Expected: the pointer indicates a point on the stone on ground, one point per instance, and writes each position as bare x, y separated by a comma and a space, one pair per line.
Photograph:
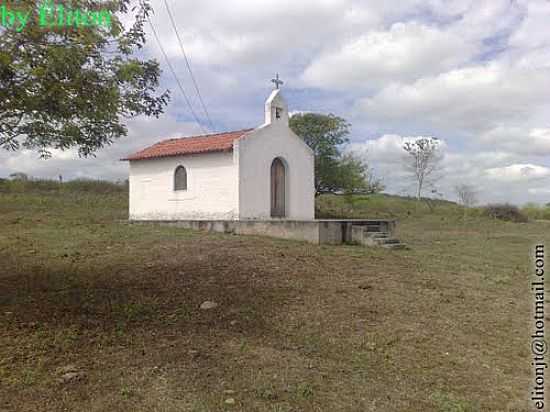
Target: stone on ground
206, 305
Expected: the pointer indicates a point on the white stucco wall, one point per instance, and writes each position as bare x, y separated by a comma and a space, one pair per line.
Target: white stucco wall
229, 186
212, 188
256, 152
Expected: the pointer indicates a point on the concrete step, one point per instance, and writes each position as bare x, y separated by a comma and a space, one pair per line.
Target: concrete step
394, 246
375, 235
377, 228
389, 241
378, 235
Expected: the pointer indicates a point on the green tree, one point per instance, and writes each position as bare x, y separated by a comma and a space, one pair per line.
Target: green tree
422, 162
72, 87
335, 172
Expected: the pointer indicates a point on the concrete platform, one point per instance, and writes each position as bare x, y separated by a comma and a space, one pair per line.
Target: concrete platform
323, 231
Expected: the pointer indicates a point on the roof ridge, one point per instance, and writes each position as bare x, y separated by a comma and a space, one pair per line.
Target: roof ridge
206, 135
214, 142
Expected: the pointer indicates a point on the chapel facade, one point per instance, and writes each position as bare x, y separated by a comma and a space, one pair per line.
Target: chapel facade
263, 173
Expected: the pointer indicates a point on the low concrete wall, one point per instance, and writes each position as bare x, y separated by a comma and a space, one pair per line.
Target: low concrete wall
307, 230
334, 232
331, 232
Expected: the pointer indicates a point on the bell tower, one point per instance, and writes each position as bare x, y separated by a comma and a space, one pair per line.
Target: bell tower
276, 109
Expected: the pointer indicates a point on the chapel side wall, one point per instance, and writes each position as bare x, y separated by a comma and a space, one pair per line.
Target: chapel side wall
212, 188
256, 153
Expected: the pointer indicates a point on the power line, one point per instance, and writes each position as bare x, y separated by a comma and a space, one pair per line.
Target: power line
175, 75
188, 64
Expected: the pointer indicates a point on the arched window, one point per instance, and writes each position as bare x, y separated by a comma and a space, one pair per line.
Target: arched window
180, 178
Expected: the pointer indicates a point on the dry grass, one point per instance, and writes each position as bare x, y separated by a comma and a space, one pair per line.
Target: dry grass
440, 327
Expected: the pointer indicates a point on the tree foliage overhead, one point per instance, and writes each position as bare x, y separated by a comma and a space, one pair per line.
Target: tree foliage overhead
69, 87
335, 172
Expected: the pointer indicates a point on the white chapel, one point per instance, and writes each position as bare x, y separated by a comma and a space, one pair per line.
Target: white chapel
253, 174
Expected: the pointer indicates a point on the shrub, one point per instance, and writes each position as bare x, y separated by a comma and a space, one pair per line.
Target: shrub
19, 176
21, 185
536, 212
507, 212
94, 186
72, 186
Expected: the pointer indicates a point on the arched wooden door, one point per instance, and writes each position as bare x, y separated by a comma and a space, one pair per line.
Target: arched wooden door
278, 188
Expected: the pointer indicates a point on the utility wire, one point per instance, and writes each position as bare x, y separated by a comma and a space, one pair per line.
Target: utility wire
175, 75
188, 65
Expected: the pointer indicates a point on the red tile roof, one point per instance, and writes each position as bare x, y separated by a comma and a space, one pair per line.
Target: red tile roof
221, 142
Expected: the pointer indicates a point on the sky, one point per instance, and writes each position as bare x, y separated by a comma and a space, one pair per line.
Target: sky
474, 74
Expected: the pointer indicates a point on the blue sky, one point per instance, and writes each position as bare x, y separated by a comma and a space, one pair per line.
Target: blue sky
475, 74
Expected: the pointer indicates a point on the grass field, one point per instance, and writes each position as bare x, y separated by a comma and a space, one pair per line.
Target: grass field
443, 326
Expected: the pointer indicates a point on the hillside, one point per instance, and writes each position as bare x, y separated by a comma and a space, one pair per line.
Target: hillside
378, 206
298, 327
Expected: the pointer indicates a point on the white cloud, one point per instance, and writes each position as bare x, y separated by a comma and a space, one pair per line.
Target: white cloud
532, 33
405, 52
532, 142
468, 99
539, 191
486, 20
247, 32
519, 172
